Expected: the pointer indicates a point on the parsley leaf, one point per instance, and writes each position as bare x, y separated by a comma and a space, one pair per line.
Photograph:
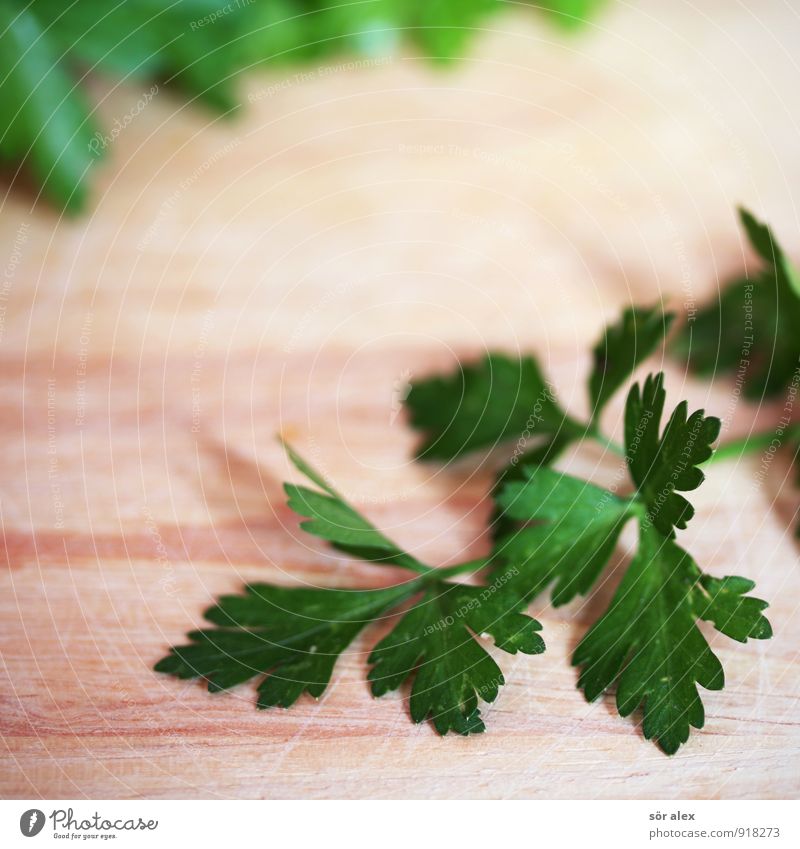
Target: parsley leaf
330, 517
752, 326
660, 465
44, 121
622, 348
484, 404
502, 399
453, 669
290, 638
647, 641
571, 14
577, 527
198, 45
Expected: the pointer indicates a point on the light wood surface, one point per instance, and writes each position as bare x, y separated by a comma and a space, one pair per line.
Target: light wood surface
289, 271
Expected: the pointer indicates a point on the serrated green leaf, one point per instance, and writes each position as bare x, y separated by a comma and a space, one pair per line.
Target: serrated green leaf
498, 400
45, 122
435, 641
723, 602
649, 644
331, 518
291, 638
663, 464
622, 348
576, 528
751, 328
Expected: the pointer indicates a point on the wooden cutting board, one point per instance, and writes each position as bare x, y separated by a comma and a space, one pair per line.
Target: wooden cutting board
290, 271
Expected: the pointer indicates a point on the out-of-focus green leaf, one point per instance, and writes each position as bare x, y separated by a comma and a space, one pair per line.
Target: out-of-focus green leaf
44, 122
751, 328
571, 14
197, 45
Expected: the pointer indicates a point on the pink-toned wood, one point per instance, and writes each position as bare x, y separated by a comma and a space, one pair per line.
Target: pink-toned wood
290, 271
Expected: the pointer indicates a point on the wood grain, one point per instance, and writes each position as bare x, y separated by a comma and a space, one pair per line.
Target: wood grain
288, 271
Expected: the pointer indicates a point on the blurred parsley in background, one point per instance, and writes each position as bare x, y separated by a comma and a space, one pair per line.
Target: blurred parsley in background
47, 47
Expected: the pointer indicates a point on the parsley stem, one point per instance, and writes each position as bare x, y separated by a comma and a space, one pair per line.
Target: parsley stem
436, 573
468, 566
414, 565
736, 448
592, 432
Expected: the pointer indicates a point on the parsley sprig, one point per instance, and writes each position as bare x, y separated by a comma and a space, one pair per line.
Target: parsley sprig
290, 638
647, 643
505, 400
554, 529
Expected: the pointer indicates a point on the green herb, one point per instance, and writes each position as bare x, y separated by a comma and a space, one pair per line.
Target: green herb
503, 400
751, 329
620, 350
485, 404
506, 401
290, 638
647, 642
556, 530
571, 14
436, 637
577, 525
44, 119
46, 47
662, 465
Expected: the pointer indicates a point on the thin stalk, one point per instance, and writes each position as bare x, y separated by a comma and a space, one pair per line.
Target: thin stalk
594, 434
736, 448
412, 564
460, 568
